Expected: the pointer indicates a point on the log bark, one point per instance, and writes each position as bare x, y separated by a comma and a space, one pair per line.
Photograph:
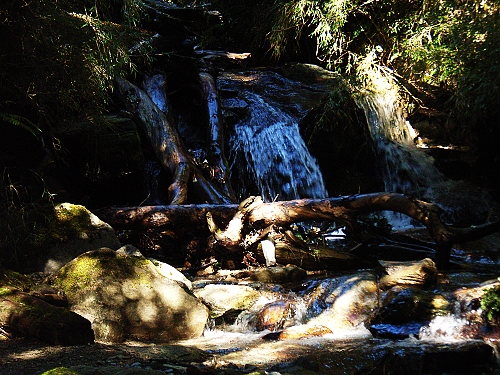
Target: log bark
253, 215
166, 142
215, 137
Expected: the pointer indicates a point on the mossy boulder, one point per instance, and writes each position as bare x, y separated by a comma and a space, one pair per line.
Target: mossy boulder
74, 230
125, 296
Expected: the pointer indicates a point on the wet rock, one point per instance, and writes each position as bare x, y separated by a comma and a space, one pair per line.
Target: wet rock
419, 273
344, 302
221, 298
274, 315
279, 275
411, 304
28, 316
469, 300
472, 357
299, 332
120, 292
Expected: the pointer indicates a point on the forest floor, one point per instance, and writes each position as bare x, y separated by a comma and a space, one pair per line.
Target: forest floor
28, 357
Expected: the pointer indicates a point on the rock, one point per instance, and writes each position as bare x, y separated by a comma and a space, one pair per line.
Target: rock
221, 298
125, 296
28, 316
279, 275
163, 268
274, 315
76, 231
411, 304
345, 302
171, 272
466, 357
419, 273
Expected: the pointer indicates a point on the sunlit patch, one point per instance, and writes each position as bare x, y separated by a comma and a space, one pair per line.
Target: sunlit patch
147, 311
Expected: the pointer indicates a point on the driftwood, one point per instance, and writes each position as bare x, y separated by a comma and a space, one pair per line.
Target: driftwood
253, 219
166, 142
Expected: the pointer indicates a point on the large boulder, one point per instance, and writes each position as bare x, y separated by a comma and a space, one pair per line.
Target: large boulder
74, 231
126, 296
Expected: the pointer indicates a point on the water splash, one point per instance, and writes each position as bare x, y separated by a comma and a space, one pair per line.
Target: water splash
448, 327
277, 158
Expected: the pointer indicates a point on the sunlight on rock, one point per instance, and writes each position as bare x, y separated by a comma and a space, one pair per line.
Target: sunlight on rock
147, 311
129, 290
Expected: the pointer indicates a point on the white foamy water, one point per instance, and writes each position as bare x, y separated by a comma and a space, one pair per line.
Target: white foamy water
444, 328
277, 158
405, 168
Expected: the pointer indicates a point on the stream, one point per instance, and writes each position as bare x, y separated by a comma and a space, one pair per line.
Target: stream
342, 323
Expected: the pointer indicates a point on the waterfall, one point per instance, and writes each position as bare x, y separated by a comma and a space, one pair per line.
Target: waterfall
277, 158
404, 167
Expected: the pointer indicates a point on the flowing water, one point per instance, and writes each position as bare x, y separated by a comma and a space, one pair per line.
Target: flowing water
269, 157
405, 168
267, 150
277, 159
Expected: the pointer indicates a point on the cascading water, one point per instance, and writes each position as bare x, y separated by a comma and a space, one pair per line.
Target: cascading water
405, 168
277, 157
268, 155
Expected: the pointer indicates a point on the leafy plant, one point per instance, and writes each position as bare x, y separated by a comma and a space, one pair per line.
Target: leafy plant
21, 122
58, 59
490, 304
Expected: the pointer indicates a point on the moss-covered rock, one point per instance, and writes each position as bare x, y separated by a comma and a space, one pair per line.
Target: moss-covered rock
125, 296
74, 231
60, 371
222, 298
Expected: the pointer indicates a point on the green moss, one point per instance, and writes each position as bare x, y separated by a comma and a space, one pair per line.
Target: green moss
71, 219
81, 272
60, 371
5, 291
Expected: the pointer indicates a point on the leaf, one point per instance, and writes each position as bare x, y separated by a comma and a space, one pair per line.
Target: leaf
21, 122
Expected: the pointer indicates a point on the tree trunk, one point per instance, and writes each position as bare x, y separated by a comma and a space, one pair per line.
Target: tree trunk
253, 219
215, 137
166, 142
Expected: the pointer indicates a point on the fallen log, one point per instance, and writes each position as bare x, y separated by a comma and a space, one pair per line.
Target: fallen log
253, 216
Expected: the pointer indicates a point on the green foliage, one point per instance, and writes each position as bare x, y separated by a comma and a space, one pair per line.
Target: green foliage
21, 122
25, 213
59, 58
490, 304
